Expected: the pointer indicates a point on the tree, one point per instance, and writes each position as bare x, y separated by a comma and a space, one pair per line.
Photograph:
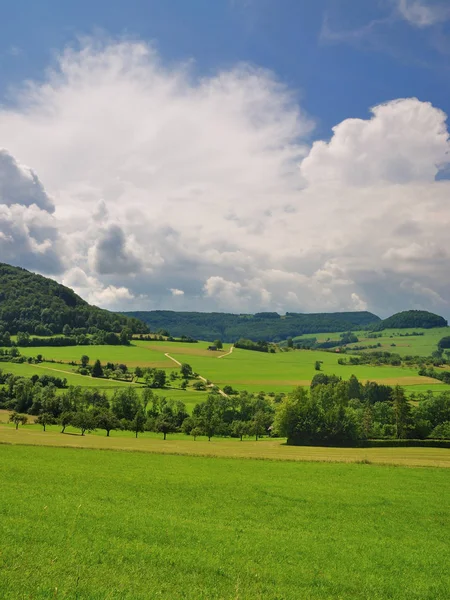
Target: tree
67, 330
159, 378
45, 419
125, 336
401, 411
184, 384
317, 365
65, 418
84, 420
97, 369
84, 361
108, 421
18, 419
138, 372
138, 423
164, 423
239, 429
259, 424
125, 403
186, 371
218, 344
290, 343
196, 431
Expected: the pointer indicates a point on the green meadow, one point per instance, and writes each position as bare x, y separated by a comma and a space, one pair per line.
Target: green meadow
95, 525
242, 369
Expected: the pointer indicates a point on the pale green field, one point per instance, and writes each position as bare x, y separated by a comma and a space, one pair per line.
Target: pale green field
134, 355
414, 345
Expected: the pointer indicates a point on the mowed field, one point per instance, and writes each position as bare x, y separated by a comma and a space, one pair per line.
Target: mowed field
92, 525
242, 369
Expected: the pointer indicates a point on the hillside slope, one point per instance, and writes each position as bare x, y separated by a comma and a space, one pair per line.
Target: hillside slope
412, 318
38, 305
261, 326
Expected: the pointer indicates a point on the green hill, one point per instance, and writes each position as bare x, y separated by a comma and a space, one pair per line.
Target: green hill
412, 318
268, 326
38, 305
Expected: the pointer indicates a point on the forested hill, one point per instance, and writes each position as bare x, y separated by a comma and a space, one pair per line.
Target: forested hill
38, 305
412, 318
261, 326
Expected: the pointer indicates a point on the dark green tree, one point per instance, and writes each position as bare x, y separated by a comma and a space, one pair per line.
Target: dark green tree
97, 369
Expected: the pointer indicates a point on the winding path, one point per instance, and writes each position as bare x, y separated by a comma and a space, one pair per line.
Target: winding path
227, 353
221, 392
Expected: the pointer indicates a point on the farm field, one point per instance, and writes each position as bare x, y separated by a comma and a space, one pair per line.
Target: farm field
242, 369
133, 526
180, 444
256, 371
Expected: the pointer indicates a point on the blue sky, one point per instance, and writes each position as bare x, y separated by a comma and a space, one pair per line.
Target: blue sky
340, 56
180, 154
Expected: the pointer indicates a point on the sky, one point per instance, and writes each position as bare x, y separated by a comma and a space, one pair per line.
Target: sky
236, 155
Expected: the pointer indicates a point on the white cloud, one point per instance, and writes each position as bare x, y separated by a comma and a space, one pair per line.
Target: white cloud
423, 13
405, 141
94, 292
159, 178
176, 292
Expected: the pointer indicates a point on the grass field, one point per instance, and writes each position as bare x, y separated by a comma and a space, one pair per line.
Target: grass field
97, 525
255, 371
242, 369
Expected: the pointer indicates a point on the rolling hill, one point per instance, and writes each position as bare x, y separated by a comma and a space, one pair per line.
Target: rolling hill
412, 318
38, 305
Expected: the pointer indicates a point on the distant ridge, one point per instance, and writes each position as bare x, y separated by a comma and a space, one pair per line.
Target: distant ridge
269, 326
412, 318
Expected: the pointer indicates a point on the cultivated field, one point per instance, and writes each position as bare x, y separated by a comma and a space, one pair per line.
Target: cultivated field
92, 525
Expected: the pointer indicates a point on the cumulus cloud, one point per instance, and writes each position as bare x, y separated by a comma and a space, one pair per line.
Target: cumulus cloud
110, 254
404, 141
28, 231
177, 192
94, 292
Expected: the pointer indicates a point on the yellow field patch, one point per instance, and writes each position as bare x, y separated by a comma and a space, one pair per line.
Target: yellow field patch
411, 380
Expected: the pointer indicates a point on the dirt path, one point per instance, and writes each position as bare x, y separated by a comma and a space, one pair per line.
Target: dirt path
221, 392
227, 353
172, 358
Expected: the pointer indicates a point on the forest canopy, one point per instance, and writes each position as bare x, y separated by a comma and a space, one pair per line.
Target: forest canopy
38, 305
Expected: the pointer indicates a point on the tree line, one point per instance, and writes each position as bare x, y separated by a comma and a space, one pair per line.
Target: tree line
332, 411
261, 326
